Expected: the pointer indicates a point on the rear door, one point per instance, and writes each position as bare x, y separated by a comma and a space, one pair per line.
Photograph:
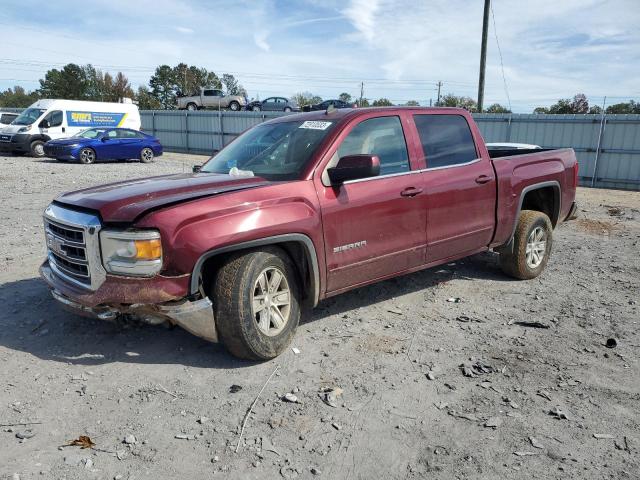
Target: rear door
373, 227
129, 143
269, 104
460, 186
211, 98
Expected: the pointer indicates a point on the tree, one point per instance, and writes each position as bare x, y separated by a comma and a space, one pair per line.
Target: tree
345, 97
580, 104
146, 101
363, 103
17, 97
163, 86
232, 86
306, 98
497, 108
631, 107
412, 103
451, 100
68, 83
121, 88
382, 102
595, 110
189, 79
541, 110
562, 106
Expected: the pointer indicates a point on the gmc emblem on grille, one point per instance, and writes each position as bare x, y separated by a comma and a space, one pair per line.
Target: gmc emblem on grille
55, 244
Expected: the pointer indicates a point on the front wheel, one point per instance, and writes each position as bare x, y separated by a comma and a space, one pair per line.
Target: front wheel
192, 107
255, 108
256, 298
87, 156
531, 246
235, 106
146, 155
287, 109
37, 149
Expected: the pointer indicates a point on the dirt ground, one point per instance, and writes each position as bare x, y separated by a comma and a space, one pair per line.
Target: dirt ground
549, 402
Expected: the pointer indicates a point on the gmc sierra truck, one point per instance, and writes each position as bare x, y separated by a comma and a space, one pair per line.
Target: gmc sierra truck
299, 209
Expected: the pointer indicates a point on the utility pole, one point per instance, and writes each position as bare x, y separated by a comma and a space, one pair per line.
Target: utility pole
361, 93
439, 86
483, 53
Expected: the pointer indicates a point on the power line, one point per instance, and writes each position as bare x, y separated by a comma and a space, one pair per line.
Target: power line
504, 78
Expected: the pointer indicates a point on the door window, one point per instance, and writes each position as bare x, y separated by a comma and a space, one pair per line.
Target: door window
382, 136
54, 118
111, 134
446, 140
127, 134
210, 93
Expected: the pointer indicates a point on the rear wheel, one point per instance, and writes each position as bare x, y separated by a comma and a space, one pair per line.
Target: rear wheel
531, 246
287, 109
146, 155
87, 156
235, 106
256, 108
37, 149
256, 298
192, 106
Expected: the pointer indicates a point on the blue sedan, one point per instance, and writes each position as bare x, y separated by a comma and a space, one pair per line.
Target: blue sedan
97, 144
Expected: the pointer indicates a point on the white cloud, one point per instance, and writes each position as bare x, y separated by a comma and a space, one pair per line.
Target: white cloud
184, 30
362, 13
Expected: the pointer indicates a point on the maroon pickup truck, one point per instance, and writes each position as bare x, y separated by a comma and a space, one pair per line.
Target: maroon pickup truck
299, 209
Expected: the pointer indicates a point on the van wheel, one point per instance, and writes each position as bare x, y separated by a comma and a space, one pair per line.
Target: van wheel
531, 246
87, 156
256, 299
37, 149
235, 106
146, 155
192, 106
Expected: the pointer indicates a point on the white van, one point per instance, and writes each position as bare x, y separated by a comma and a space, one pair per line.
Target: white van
6, 118
51, 119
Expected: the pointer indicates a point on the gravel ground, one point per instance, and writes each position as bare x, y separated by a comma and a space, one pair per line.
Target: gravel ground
549, 402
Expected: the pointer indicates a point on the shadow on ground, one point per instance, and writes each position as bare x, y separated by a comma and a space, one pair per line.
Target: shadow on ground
32, 322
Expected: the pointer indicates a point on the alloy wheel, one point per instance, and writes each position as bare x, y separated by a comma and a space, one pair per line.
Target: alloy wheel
536, 247
271, 301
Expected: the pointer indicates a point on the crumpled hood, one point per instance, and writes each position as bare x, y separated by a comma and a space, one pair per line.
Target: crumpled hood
128, 200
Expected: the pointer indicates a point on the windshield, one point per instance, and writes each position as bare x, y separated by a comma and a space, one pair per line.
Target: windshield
91, 133
29, 116
278, 151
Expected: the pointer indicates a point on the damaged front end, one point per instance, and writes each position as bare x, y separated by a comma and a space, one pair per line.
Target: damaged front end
195, 316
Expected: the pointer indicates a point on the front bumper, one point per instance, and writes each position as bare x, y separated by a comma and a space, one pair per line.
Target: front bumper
17, 143
61, 153
195, 316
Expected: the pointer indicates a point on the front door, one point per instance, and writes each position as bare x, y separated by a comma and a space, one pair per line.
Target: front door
460, 186
373, 227
53, 125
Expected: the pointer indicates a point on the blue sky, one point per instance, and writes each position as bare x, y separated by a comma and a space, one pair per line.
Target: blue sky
550, 49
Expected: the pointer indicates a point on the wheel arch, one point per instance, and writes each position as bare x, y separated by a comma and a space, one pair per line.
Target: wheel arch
545, 197
297, 245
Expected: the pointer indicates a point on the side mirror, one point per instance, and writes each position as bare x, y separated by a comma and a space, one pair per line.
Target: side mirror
354, 167
44, 124
104, 138
197, 168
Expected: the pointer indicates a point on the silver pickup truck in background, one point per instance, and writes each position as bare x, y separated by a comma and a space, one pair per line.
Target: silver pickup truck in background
211, 98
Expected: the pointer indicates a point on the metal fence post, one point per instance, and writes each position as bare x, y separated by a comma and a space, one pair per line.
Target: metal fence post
221, 129
603, 124
509, 128
186, 130
153, 123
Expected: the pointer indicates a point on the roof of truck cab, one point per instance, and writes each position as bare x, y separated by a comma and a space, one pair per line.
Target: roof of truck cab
348, 113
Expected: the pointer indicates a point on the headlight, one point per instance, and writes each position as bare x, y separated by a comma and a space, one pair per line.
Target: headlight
24, 129
130, 252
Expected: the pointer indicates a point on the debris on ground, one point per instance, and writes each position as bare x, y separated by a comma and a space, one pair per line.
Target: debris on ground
130, 439
454, 300
524, 454
531, 324
330, 396
535, 443
611, 343
602, 436
295, 350
475, 369
558, 413
397, 311
83, 441
184, 436
27, 434
493, 422
290, 397
235, 388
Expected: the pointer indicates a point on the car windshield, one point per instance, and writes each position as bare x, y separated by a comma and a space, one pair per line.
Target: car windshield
278, 151
29, 116
91, 133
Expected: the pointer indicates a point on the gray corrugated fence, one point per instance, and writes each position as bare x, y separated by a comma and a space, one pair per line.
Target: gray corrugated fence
607, 147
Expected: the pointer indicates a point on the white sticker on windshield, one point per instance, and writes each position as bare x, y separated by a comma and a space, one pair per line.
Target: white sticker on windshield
315, 125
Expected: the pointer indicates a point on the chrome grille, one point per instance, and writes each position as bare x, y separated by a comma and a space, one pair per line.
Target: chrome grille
73, 247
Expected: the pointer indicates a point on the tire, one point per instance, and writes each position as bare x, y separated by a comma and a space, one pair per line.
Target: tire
146, 155
238, 290
37, 149
192, 107
287, 109
532, 244
255, 108
87, 156
235, 106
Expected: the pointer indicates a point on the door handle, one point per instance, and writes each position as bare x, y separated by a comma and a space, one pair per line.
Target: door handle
410, 192
483, 179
